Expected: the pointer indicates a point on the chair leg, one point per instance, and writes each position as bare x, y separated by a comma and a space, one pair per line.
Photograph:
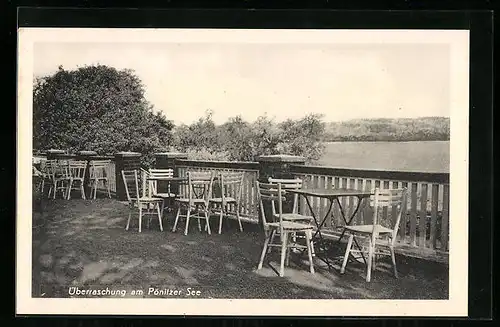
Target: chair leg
370, 260
187, 220
95, 190
220, 218
264, 249
309, 250
207, 220
129, 216
176, 219
55, 190
273, 235
109, 188
140, 217
159, 216
162, 207
347, 253
82, 190
198, 217
70, 185
238, 216
284, 246
393, 258
287, 256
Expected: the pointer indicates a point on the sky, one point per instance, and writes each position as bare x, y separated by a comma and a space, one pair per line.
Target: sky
287, 80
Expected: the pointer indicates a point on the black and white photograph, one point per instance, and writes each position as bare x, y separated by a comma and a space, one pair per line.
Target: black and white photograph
243, 172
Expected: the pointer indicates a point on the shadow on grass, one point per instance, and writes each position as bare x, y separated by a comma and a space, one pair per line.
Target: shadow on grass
84, 244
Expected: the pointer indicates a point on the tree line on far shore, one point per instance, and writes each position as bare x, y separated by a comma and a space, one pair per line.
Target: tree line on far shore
387, 129
103, 109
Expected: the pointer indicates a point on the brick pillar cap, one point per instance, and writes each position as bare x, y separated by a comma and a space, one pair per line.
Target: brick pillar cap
128, 154
280, 158
87, 153
172, 154
56, 151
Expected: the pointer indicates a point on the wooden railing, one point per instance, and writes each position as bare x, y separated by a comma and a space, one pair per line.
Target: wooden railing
425, 222
248, 202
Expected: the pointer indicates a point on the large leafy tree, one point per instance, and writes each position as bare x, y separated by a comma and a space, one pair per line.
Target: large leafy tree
96, 108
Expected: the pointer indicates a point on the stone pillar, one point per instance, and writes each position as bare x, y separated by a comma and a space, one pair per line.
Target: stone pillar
167, 160
55, 154
277, 166
125, 161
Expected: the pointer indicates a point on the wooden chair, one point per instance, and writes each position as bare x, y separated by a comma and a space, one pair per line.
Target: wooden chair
38, 183
138, 200
99, 173
77, 170
274, 192
60, 176
381, 239
45, 174
291, 184
230, 190
168, 195
199, 191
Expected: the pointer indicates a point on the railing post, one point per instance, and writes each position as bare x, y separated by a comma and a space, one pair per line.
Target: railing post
167, 160
277, 166
125, 161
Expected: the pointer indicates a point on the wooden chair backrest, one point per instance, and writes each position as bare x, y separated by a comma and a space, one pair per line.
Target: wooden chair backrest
230, 184
271, 192
163, 173
48, 167
60, 168
385, 198
77, 168
200, 185
131, 183
168, 173
288, 184
99, 168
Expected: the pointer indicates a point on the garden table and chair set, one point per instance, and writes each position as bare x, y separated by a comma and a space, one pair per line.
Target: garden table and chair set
196, 196
200, 195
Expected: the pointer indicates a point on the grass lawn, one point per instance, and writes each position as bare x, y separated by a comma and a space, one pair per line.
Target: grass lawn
83, 243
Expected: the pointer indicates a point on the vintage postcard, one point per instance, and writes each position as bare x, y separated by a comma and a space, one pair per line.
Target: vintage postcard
242, 172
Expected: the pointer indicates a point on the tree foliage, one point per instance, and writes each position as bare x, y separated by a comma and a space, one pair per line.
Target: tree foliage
96, 108
238, 140
385, 129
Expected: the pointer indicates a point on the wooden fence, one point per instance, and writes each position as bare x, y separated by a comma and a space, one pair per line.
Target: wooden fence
425, 222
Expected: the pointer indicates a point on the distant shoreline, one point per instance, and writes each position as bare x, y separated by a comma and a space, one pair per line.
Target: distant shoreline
383, 141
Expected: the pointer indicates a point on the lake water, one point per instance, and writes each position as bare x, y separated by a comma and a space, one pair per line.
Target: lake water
421, 156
